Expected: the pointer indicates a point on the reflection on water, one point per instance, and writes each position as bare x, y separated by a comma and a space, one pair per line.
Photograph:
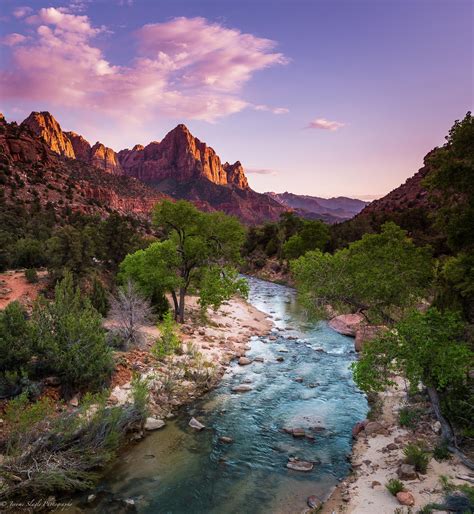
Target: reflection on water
180, 471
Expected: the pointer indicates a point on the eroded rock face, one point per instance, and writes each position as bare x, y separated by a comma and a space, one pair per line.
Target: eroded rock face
43, 124
180, 156
105, 158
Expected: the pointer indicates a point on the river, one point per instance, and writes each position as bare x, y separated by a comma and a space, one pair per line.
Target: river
177, 470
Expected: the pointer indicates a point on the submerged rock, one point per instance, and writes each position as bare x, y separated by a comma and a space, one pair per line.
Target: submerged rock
225, 439
314, 502
194, 423
299, 465
242, 388
154, 424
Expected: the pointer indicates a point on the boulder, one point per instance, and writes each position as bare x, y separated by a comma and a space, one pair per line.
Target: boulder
346, 324
406, 472
242, 388
358, 427
154, 424
314, 502
299, 465
280, 359
374, 427
298, 432
366, 333
405, 498
244, 361
194, 423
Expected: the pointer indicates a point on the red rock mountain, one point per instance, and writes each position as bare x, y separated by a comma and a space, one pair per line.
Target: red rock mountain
30, 172
72, 145
180, 165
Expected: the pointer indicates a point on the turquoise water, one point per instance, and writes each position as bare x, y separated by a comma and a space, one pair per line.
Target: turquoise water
177, 470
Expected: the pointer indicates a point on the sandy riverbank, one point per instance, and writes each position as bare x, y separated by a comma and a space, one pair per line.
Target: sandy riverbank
376, 458
207, 349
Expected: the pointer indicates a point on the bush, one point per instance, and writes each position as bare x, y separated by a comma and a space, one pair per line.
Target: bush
71, 340
416, 455
29, 253
169, 341
99, 297
31, 276
16, 341
441, 452
140, 394
407, 417
394, 486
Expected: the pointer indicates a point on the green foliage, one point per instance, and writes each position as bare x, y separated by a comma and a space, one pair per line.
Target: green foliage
140, 394
417, 456
394, 486
441, 452
195, 243
99, 297
16, 339
426, 348
71, 339
219, 284
407, 417
311, 236
29, 253
169, 341
31, 275
381, 275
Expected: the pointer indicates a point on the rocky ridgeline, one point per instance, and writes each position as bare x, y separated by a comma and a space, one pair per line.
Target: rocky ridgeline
180, 165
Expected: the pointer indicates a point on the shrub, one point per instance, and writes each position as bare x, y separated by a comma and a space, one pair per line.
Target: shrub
394, 486
29, 253
140, 394
16, 342
416, 455
71, 340
31, 275
407, 417
99, 298
169, 341
441, 452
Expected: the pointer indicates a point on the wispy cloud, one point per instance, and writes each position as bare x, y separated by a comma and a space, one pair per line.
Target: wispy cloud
324, 124
21, 12
13, 39
184, 68
274, 110
260, 171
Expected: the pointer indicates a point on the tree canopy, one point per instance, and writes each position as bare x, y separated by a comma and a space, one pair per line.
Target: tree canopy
199, 251
380, 275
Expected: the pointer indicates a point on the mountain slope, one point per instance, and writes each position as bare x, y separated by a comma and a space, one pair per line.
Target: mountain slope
180, 165
332, 210
31, 172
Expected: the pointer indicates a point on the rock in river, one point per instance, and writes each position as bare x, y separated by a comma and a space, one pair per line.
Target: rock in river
299, 465
154, 424
314, 502
244, 361
194, 423
346, 324
242, 388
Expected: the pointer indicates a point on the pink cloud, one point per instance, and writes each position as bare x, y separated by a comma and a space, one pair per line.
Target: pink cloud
13, 39
20, 12
324, 124
260, 171
274, 110
186, 68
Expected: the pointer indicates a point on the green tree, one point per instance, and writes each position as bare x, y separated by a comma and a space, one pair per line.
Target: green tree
99, 297
426, 349
169, 341
380, 275
195, 242
70, 338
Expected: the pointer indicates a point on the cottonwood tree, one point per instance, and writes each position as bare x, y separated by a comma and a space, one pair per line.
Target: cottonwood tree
381, 275
425, 348
196, 244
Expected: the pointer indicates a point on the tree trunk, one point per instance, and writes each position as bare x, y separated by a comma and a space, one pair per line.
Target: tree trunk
182, 294
446, 429
176, 306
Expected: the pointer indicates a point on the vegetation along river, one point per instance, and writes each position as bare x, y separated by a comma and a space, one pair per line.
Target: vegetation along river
179, 470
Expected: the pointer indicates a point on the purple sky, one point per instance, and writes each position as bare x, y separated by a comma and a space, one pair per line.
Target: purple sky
315, 97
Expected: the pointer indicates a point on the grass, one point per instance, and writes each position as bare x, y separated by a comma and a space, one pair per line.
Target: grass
408, 417
394, 486
417, 456
441, 452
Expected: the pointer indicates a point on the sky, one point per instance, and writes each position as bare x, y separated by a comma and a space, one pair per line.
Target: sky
317, 97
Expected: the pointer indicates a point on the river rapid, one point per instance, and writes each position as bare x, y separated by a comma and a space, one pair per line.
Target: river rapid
177, 470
